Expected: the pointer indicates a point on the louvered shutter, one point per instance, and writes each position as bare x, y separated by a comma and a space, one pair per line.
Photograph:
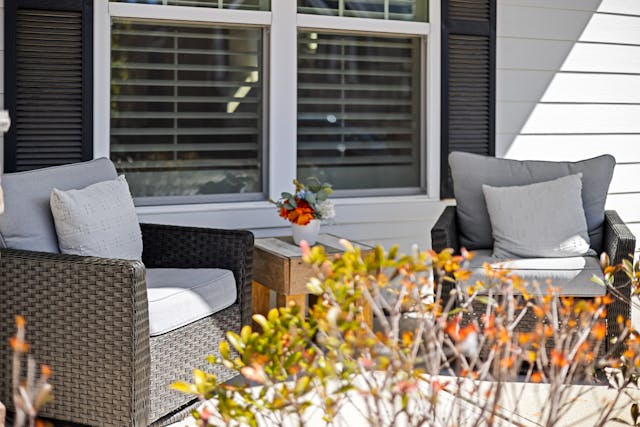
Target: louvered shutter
468, 81
48, 83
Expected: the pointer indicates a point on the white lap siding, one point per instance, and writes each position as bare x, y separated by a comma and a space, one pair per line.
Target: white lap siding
568, 87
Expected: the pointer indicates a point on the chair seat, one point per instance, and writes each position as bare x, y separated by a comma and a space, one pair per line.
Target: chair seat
572, 275
178, 297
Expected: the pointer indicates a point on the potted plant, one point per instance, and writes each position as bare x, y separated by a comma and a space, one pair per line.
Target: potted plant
305, 208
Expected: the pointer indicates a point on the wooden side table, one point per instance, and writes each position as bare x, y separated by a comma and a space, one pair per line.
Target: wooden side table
278, 266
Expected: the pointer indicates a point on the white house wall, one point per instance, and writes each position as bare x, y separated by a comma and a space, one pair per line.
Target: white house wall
568, 87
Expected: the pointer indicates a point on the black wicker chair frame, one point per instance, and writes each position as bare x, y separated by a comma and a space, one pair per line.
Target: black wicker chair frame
88, 319
619, 243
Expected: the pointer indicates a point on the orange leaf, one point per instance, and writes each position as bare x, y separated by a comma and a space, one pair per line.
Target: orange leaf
19, 346
20, 321
536, 377
599, 331
45, 370
558, 358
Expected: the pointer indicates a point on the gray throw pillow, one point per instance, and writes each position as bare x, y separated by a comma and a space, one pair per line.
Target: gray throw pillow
470, 171
99, 220
27, 223
538, 220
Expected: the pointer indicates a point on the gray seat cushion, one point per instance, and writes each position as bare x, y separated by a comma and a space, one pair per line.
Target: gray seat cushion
572, 274
470, 171
27, 222
178, 297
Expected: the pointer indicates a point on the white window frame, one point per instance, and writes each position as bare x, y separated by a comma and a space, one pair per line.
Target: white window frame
283, 23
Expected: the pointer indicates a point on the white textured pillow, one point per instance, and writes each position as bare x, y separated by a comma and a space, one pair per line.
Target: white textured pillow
538, 220
99, 220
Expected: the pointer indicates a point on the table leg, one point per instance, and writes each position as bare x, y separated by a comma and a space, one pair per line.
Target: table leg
259, 300
299, 300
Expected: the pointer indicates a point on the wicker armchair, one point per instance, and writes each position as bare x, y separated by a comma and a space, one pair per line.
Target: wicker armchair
87, 317
618, 243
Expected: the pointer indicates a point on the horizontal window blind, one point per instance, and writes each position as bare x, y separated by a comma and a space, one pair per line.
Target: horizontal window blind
402, 10
186, 108
218, 4
359, 110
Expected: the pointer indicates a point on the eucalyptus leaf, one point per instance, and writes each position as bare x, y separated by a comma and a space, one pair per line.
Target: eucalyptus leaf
311, 198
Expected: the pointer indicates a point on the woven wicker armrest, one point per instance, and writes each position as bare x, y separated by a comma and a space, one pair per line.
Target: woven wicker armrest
86, 318
619, 243
168, 246
444, 233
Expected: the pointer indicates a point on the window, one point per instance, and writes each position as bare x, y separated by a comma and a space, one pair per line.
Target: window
218, 4
359, 105
402, 10
186, 108
190, 119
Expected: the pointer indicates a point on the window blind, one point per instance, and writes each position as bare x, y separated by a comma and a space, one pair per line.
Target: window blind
359, 110
186, 108
402, 10
48, 87
218, 4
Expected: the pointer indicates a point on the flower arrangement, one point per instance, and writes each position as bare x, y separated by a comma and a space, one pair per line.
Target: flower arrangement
310, 201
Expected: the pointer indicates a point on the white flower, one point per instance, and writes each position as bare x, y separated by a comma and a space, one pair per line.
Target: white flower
325, 210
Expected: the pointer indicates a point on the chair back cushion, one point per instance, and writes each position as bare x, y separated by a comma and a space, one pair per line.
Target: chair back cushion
27, 222
471, 171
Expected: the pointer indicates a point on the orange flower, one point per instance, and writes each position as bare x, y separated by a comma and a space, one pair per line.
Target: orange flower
302, 214
284, 213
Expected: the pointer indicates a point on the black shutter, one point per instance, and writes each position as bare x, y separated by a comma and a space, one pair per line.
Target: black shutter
48, 83
468, 81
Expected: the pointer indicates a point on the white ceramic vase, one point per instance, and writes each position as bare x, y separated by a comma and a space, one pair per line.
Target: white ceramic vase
307, 232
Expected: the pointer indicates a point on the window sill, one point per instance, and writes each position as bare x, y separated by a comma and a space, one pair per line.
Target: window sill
263, 204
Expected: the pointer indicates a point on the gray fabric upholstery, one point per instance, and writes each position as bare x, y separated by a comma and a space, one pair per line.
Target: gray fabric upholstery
178, 297
27, 222
545, 219
470, 171
572, 274
98, 220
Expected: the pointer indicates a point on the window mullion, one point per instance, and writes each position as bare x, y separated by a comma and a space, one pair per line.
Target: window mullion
282, 96
101, 81
433, 103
